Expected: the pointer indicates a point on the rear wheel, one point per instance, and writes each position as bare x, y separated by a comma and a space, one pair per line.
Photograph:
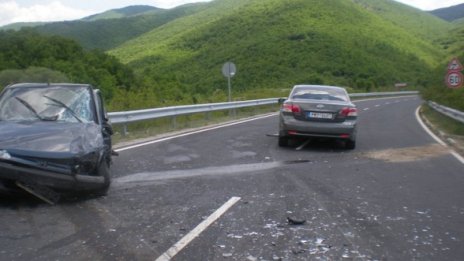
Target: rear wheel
350, 144
283, 141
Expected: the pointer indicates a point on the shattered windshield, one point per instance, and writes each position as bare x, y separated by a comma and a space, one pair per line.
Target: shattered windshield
50, 103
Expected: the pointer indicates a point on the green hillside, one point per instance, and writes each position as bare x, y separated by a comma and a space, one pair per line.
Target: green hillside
278, 43
453, 45
105, 34
121, 12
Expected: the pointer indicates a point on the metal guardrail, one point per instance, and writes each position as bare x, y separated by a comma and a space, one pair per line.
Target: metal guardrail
126, 117
150, 114
374, 94
452, 113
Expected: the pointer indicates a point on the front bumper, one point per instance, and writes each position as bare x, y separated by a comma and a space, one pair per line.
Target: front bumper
60, 181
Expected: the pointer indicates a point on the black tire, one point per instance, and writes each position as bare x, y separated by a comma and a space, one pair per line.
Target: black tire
283, 141
350, 144
104, 171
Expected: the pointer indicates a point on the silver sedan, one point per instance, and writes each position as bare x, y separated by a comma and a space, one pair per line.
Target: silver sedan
318, 111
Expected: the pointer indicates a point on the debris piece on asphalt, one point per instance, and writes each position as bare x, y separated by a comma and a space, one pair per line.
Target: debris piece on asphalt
295, 222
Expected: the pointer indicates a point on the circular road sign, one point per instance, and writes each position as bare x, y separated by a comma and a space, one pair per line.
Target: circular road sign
454, 79
229, 69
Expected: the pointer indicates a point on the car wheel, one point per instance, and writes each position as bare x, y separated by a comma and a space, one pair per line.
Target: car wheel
350, 144
283, 141
104, 171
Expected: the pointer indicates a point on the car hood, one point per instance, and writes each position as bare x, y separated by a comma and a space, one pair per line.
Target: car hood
50, 137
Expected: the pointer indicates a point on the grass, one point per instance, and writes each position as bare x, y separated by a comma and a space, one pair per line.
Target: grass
442, 122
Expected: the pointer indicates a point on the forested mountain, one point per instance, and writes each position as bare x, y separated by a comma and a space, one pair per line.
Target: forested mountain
128, 11
109, 33
26, 55
451, 14
177, 54
276, 44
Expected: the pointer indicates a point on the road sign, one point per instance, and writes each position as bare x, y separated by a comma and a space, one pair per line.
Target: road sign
454, 79
455, 65
229, 69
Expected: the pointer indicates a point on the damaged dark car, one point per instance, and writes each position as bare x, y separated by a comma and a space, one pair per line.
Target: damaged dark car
54, 138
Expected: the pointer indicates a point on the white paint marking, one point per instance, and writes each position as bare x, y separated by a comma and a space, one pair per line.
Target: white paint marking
191, 133
303, 145
365, 109
435, 137
377, 105
177, 247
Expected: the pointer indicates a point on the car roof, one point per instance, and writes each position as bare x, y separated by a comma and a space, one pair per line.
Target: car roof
41, 85
318, 86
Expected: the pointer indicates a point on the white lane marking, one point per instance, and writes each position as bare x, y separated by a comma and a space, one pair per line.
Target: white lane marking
377, 105
177, 247
436, 138
365, 109
303, 145
387, 103
191, 133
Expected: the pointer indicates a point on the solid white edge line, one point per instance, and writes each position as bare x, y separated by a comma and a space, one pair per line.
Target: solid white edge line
177, 247
191, 133
436, 138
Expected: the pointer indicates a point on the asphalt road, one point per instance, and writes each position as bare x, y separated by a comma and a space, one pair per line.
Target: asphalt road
397, 196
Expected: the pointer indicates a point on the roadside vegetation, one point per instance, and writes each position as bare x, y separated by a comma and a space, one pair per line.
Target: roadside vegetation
158, 58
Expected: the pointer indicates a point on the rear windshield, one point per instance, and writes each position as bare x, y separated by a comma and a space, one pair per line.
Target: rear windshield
320, 93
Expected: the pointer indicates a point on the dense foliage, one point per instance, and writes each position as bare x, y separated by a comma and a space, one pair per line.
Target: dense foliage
276, 44
65, 60
105, 33
454, 45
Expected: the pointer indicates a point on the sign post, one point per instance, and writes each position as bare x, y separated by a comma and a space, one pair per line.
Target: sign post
454, 77
229, 70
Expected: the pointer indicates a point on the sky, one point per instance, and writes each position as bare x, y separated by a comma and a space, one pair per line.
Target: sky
13, 11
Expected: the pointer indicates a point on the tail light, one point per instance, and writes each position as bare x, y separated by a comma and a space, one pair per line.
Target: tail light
349, 112
288, 107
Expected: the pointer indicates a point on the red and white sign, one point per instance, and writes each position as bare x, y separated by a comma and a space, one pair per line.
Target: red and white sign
454, 79
455, 65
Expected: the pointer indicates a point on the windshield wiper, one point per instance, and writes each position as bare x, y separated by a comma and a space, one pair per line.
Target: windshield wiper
61, 104
29, 107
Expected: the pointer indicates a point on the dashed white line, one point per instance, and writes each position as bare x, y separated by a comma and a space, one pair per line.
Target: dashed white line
177, 247
365, 109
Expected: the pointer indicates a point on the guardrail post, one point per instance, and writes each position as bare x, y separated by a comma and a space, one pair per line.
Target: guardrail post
124, 130
173, 122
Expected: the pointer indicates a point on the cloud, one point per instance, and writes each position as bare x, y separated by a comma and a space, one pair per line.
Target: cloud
11, 12
431, 4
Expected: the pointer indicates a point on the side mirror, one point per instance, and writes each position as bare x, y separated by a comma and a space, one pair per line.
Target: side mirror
281, 100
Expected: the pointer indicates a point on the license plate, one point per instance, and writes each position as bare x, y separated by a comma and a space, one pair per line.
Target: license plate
320, 115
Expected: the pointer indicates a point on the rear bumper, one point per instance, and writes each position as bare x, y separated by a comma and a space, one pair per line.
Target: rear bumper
59, 181
289, 126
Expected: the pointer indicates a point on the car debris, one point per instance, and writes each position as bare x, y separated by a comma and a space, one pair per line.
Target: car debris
295, 222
